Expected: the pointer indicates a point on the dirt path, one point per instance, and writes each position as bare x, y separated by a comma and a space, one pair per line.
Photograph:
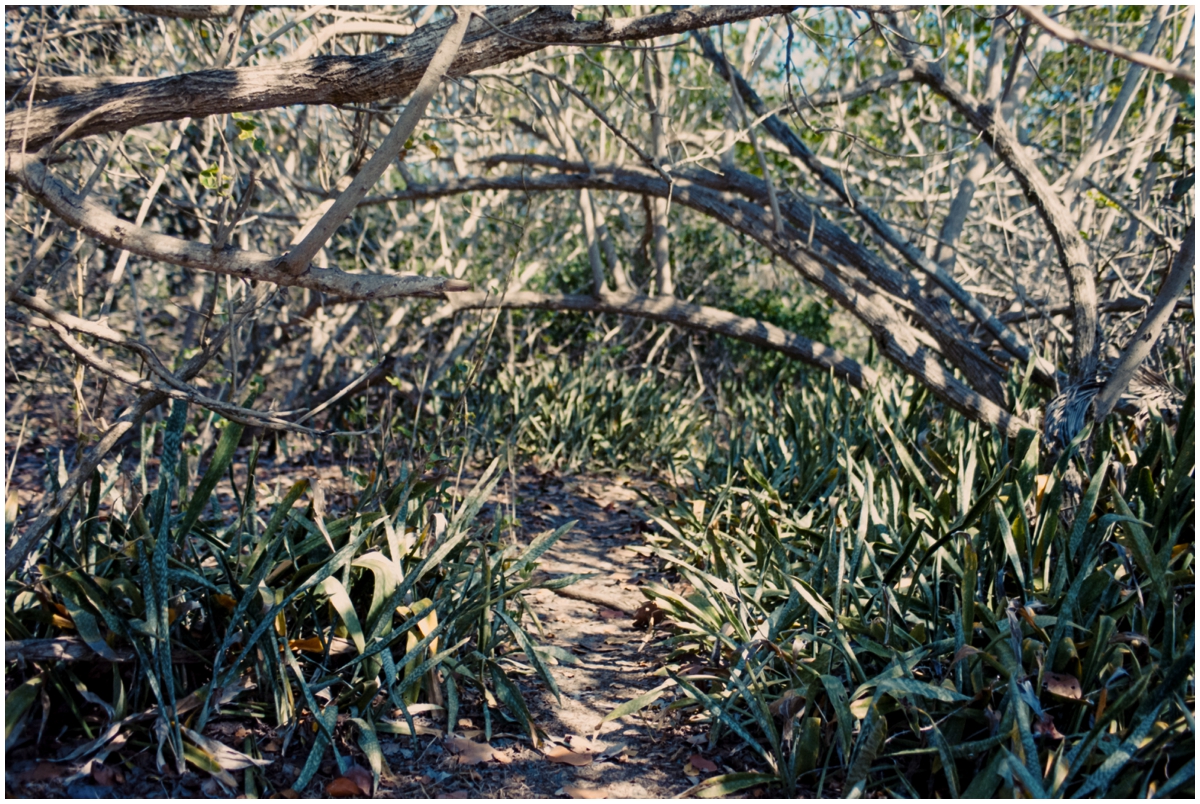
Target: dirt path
640, 756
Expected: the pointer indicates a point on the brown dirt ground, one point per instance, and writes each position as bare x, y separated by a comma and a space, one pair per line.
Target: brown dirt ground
645, 755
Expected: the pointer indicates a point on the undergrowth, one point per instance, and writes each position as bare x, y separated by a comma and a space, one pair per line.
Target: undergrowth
874, 596
331, 630
882, 598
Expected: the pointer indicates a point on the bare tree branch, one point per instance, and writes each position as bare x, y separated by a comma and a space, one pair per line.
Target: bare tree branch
184, 12
1073, 253
391, 72
796, 147
689, 316
1173, 287
898, 340
1073, 38
298, 258
95, 221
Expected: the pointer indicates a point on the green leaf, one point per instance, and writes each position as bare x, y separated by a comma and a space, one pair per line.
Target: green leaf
532, 654
910, 686
333, 589
320, 743
720, 786
16, 705
388, 576
231, 434
539, 546
368, 741
637, 704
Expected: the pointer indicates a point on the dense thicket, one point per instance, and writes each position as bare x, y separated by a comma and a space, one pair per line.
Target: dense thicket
629, 236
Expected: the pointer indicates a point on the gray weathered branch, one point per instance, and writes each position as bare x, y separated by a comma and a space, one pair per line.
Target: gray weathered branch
688, 316
388, 73
1174, 286
97, 222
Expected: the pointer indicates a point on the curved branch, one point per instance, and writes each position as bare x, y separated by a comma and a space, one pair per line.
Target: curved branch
1147, 334
174, 389
784, 134
833, 245
1072, 37
390, 72
1072, 251
898, 340
689, 316
95, 221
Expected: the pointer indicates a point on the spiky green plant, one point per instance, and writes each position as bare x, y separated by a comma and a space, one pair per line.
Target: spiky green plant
403, 603
877, 588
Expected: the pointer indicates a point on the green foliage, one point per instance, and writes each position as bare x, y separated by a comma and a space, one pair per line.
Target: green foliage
931, 599
589, 411
404, 599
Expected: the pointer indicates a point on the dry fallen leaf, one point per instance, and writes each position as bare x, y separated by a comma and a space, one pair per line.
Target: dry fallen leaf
342, 787
700, 763
584, 792
1044, 727
470, 752
455, 794
289, 793
338, 646
964, 652
106, 776
565, 756
361, 777
44, 772
611, 614
787, 705
1062, 685
648, 614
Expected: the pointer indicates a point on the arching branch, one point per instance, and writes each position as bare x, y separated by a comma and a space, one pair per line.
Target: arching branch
1073, 254
391, 72
95, 221
689, 316
898, 340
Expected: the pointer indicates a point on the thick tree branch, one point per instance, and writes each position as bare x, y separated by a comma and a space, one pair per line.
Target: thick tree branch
97, 222
1072, 37
797, 148
689, 316
391, 72
898, 340
298, 258
1174, 286
829, 241
50, 87
1072, 251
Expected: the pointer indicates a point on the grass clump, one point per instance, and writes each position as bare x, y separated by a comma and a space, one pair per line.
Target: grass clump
404, 604
880, 598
